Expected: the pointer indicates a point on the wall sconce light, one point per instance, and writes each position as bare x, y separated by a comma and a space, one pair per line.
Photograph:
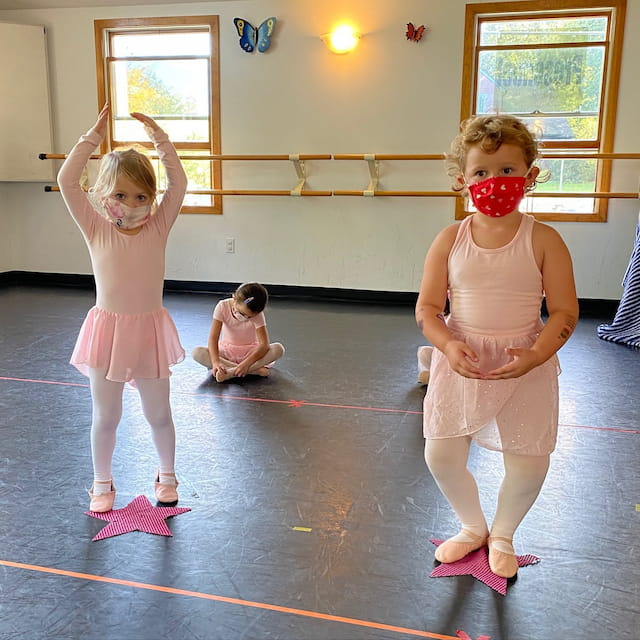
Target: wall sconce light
342, 39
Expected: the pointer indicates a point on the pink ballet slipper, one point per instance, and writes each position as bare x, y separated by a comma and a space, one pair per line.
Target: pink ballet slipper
166, 492
101, 502
453, 550
501, 563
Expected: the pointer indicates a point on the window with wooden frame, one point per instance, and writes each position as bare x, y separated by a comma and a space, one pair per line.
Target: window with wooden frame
556, 65
167, 68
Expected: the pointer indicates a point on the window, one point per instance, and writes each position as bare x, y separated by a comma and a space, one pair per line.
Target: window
558, 70
167, 68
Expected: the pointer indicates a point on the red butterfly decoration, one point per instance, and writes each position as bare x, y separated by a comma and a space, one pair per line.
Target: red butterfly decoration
414, 33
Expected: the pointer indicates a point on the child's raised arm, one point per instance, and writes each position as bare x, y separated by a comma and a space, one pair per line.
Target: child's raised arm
176, 177
150, 125
71, 171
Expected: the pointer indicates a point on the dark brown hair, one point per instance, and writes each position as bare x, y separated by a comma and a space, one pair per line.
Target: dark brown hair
253, 294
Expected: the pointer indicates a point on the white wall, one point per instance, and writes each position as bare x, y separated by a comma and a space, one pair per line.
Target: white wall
389, 96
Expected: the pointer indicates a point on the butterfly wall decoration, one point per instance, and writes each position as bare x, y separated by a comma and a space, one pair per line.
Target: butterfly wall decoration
250, 37
414, 33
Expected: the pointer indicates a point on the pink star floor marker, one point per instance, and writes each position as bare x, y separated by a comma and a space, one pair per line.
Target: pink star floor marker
476, 564
138, 515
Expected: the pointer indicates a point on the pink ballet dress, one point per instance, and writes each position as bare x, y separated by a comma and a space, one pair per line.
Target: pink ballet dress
494, 299
238, 338
128, 333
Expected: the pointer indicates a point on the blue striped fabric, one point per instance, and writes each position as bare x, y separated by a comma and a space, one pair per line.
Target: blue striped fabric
625, 328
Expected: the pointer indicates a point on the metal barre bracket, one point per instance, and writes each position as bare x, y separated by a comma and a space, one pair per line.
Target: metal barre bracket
374, 175
300, 172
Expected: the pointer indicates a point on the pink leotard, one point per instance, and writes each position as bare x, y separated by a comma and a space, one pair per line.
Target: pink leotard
495, 297
128, 332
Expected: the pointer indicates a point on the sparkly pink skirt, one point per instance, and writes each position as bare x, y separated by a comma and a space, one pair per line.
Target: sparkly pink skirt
518, 415
128, 346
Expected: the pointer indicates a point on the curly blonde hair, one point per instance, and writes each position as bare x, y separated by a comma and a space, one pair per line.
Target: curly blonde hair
489, 133
129, 162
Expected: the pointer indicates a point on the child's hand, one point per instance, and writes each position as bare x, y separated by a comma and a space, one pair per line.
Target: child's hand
150, 124
241, 370
462, 359
523, 361
101, 123
217, 368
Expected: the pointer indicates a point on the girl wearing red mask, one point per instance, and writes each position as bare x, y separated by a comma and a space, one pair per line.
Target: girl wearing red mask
493, 374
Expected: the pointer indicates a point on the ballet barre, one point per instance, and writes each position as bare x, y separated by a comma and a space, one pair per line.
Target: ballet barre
373, 162
239, 192
297, 160
453, 194
291, 156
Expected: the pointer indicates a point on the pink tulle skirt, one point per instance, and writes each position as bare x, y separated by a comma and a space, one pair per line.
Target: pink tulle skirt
518, 415
236, 352
128, 346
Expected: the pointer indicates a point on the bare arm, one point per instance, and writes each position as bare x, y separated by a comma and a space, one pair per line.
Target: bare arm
212, 345
431, 303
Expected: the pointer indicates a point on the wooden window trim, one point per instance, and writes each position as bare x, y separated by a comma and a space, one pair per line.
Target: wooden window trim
540, 9
101, 29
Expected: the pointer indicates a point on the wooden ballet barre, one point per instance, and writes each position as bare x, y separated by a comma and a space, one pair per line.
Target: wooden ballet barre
418, 194
301, 156
454, 194
388, 156
258, 192
236, 192
440, 156
550, 155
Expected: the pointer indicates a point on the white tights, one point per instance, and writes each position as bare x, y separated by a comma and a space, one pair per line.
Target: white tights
523, 478
107, 412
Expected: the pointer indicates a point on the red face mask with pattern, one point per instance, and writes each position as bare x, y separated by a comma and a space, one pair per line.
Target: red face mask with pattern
499, 196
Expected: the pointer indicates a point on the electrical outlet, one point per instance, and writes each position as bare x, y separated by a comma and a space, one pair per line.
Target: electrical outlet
230, 246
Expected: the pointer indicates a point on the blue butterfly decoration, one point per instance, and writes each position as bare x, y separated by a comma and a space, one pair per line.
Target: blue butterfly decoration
250, 36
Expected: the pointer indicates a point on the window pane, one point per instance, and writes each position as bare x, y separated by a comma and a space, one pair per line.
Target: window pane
181, 43
174, 92
543, 31
564, 82
578, 176
562, 128
198, 176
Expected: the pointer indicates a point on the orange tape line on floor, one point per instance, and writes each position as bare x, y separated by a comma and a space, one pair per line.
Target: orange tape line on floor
245, 603
304, 403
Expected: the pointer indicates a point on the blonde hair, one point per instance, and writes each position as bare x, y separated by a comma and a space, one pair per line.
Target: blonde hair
489, 133
129, 162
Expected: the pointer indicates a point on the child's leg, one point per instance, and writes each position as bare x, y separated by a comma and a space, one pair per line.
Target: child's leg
107, 411
276, 351
523, 479
201, 356
154, 395
447, 461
